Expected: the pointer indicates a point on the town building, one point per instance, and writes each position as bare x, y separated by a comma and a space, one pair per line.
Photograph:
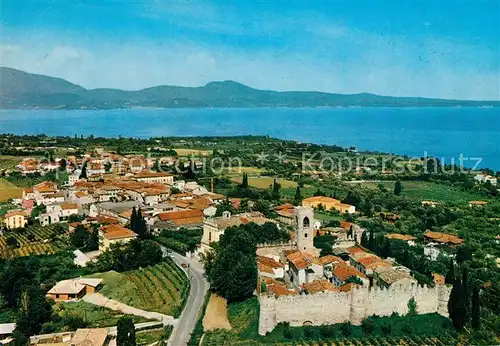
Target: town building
114, 234
15, 219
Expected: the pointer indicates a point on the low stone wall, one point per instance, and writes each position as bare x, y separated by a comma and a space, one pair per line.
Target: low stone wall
354, 306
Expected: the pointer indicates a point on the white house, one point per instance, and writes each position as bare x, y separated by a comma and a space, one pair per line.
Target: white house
483, 178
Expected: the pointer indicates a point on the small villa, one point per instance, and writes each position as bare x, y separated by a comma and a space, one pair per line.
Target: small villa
73, 289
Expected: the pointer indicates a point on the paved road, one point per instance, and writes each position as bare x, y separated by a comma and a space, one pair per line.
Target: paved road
184, 326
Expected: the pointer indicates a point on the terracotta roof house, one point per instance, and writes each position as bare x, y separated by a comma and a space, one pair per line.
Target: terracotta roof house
181, 218
365, 262
342, 271
268, 267
387, 276
114, 234
442, 238
317, 286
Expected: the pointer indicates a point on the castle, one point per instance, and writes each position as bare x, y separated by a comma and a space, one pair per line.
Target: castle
310, 294
353, 306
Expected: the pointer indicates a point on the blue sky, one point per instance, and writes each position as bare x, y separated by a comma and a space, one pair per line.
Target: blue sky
441, 48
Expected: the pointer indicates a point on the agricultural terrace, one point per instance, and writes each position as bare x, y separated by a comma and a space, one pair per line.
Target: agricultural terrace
162, 288
34, 240
431, 329
9, 190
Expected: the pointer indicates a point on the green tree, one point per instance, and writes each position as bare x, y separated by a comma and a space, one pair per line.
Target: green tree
62, 165
456, 305
83, 174
275, 191
297, 198
412, 307
80, 237
398, 188
476, 308
125, 335
244, 181
450, 274
35, 310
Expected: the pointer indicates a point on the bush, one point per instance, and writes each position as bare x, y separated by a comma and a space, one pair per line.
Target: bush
386, 328
368, 326
287, 332
326, 331
308, 331
346, 329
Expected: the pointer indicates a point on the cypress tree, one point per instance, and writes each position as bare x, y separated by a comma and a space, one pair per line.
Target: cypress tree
398, 188
275, 194
456, 306
450, 275
83, 174
476, 308
297, 199
244, 181
465, 289
125, 335
371, 241
133, 220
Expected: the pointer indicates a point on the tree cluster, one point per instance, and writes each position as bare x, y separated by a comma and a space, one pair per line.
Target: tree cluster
231, 267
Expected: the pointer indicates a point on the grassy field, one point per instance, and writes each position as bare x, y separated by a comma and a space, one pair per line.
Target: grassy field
193, 152
161, 288
95, 316
9, 162
147, 337
34, 240
9, 190
429, 191
241, 170
266, 182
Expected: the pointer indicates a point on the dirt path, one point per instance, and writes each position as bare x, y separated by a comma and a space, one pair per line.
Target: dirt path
216, 314
100, 300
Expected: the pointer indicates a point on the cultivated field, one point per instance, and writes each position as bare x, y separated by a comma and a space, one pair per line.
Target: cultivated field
9, 162
241, 170
424, 190
161, 288
193, 152
266, 182
9, 190
36, 240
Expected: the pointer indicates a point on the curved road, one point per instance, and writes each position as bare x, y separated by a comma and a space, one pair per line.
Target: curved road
185, 324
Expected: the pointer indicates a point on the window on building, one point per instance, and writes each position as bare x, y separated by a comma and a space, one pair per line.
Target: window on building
305, 222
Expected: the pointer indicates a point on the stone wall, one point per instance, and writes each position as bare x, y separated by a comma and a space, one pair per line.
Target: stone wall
354, 306
275, 249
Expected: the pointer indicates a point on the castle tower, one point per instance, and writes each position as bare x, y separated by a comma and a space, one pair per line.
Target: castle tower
267, 315
443, 297
358, 310
304, 217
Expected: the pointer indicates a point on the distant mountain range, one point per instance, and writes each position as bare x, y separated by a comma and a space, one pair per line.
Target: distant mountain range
22, 90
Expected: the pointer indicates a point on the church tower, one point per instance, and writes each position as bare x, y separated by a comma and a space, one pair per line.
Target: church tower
304, 217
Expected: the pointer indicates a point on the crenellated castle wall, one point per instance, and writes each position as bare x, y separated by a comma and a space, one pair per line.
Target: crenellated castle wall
275, 249
354, 306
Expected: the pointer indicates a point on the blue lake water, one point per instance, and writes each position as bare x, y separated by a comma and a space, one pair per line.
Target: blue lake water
441, 132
